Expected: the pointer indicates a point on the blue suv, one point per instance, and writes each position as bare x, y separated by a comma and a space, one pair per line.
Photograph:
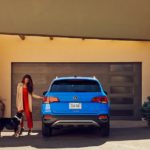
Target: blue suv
75, 101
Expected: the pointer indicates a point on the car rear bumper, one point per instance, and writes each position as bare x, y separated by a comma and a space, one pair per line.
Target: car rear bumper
56, 121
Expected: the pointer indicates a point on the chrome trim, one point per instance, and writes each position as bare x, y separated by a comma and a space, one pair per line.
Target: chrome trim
75, 122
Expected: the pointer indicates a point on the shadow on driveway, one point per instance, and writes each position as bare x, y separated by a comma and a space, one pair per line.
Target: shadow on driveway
75, 138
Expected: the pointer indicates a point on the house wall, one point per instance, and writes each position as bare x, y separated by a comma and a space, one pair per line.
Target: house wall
42, 49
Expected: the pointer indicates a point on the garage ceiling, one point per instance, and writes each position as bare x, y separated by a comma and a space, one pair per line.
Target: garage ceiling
106, 19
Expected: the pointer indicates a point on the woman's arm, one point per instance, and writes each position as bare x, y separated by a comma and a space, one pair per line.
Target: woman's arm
37, 96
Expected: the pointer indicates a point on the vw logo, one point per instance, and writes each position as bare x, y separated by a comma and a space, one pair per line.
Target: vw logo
75, 97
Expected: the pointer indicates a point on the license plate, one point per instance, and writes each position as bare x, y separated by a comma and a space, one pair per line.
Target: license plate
75, 106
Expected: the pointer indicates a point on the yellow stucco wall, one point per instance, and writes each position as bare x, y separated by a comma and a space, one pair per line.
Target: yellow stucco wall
42, 49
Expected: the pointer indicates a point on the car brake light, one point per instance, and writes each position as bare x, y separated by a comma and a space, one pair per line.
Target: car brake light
102, 117
45, 100
50, 99
48, 117
99, 99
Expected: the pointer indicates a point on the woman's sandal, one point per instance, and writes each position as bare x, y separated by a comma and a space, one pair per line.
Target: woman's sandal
29, 132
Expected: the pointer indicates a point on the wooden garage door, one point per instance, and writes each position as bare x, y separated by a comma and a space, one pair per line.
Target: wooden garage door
122, 81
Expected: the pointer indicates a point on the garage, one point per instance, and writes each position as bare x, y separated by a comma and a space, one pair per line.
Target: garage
122, 81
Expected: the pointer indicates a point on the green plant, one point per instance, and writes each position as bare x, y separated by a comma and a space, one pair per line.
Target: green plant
148, 98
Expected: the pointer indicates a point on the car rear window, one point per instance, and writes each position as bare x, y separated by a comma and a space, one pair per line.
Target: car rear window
75, 86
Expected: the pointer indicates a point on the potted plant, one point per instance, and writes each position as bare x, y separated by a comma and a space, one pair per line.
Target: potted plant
145, 111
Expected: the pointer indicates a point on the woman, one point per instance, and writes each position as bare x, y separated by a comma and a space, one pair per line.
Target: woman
24, 101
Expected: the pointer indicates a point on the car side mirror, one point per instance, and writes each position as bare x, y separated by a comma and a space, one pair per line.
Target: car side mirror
44, 93
105, 92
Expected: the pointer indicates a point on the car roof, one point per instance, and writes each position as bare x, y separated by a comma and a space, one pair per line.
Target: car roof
75, 77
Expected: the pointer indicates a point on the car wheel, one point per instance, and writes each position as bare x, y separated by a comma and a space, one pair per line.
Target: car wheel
46, 130
105, 129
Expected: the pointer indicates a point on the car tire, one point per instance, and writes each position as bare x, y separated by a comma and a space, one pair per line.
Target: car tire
105, 129
46, 130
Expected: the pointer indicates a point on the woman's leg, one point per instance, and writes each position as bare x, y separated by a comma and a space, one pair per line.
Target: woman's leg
29, 119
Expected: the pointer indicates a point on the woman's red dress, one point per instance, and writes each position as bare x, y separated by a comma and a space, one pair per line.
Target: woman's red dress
27, 111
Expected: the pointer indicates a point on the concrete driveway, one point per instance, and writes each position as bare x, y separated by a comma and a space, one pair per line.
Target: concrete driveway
125, 135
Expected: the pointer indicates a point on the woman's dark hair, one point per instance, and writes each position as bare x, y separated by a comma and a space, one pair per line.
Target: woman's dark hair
30, 83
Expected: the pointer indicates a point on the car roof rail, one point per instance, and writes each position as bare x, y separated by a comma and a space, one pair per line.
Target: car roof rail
94, 77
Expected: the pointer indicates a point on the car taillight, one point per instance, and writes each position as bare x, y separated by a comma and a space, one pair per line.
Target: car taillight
103, 117
48, 117
45, 100
50, 99
99, 99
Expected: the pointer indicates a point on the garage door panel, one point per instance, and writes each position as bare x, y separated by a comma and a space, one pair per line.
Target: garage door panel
122, 100
123, 73
121, 67
119, 113
37, 67
122, 81
121, 90
122, 106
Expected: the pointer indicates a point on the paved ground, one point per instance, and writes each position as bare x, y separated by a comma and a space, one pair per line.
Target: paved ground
125, 135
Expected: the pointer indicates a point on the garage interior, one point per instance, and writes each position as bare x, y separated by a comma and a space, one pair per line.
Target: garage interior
122, 81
